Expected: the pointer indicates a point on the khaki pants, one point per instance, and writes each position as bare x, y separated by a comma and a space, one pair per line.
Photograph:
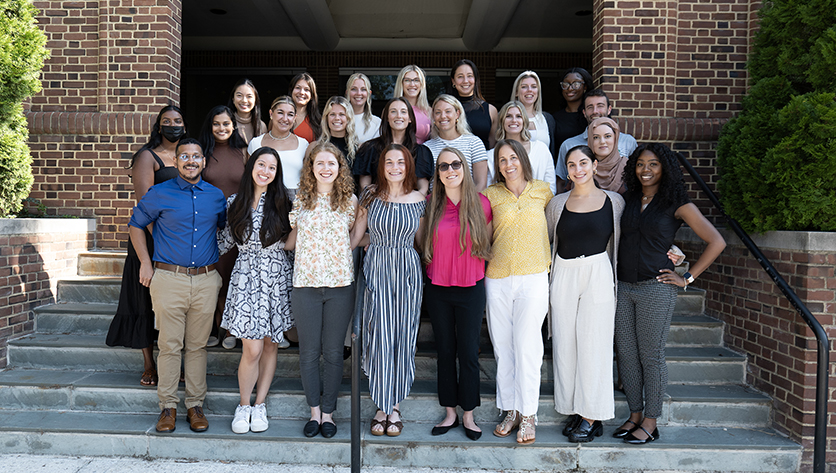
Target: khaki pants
183, 306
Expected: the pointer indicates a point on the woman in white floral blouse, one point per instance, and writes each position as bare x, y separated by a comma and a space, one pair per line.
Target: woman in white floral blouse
323, 277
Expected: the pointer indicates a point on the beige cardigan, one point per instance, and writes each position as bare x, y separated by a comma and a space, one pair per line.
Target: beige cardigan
553, 211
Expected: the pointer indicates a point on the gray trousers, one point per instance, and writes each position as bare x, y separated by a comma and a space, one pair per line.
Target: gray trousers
322, 315
642, 321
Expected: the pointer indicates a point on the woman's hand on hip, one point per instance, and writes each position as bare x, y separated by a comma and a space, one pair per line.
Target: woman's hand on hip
670, 277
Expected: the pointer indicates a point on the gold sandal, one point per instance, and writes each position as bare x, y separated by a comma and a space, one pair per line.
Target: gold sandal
527, 424
508, 424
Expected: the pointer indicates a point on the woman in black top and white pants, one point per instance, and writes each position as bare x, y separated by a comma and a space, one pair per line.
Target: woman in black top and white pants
656, 206
584, 228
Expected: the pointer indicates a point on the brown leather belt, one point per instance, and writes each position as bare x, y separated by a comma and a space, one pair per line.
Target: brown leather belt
182, 269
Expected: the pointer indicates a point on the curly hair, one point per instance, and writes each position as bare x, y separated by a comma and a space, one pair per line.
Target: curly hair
671, 186
343, 186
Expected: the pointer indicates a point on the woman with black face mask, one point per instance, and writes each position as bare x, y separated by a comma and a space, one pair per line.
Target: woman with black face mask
155, 162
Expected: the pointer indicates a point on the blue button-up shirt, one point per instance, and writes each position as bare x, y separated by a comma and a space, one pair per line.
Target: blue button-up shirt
186, 218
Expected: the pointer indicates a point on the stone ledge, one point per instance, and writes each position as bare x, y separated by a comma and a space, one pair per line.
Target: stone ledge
26, 226
811, 242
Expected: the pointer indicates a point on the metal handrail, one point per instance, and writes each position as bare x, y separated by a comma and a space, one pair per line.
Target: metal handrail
819, 442
356, 355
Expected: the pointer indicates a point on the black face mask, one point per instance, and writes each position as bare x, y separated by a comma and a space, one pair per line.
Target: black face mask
173, 133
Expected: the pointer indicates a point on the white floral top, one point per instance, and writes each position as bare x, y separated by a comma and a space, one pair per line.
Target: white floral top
323, 245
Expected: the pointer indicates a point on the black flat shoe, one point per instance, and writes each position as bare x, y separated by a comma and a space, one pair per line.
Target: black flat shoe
443, 429
585, 432
631, 439
572, 423
311, 428
328, 429
472, 434
621, 433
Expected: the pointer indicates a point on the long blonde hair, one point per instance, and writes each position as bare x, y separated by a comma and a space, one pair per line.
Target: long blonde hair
343, 188
503, 112
462, 127
471, 214
367, 108
515, 95
421, 102
351, 140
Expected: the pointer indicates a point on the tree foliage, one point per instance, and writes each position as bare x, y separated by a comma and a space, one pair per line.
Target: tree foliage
778, 157
22, 55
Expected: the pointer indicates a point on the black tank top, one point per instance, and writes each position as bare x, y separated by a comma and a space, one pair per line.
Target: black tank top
164, 173
478, 117
584, 234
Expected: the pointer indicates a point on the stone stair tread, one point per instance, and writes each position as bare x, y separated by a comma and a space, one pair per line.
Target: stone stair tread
680, 448
702, 320
91, 279
74, 308
121, 380
699, 353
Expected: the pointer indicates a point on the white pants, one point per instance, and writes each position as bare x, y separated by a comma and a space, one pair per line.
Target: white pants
517, 306
583, 311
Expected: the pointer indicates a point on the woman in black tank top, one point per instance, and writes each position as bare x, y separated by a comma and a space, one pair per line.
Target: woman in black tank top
133, 324
584, 228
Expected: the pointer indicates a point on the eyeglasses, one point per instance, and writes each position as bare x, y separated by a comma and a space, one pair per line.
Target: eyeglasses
456, 165
412, 81
195, 157
571, 85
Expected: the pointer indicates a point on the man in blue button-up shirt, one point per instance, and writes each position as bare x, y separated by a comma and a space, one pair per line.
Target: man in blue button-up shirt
186, 213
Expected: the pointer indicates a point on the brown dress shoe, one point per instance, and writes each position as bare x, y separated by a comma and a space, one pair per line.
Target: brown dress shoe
197, 421
166, 421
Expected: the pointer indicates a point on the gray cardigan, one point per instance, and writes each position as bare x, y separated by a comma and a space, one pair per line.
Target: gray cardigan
553, 211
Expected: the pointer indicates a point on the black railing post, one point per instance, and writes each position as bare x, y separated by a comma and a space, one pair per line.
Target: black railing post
356, 356
823, 361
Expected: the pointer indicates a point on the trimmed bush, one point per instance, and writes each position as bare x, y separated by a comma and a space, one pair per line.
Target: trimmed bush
778, 157
22, 55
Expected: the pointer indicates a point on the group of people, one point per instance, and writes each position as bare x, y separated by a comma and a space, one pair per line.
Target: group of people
515, 214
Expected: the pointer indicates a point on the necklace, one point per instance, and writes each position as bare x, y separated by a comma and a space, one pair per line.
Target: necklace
278, 139
647, 197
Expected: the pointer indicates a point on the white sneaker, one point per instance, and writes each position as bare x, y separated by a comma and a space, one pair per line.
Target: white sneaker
259, 418
213, 341
241, 422
283, 344
229, 342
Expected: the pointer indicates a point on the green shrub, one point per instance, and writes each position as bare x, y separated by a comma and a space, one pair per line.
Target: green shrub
778, 157
22, 54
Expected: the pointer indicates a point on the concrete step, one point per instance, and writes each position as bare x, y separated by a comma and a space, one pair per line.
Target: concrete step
79, 318
91, 289
101, 263
93, 318
686, 365
679, 448
726, 405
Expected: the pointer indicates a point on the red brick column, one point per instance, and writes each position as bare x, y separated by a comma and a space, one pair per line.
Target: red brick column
114, 64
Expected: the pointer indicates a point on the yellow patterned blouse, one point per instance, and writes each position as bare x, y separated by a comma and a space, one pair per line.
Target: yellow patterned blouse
520, 238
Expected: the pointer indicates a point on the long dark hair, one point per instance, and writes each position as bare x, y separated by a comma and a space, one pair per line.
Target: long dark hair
275, 224
477, 90
255, 114
156, 138
312, 108
589, 84
207, 138
386, 137
671, 186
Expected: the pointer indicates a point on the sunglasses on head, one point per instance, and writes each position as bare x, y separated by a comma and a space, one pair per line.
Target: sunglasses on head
456, 165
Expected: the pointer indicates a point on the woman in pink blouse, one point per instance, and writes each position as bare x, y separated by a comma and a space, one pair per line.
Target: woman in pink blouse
455, 249
323, 278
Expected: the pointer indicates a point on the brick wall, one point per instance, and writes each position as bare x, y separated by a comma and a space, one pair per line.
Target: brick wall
114, 64
34, 254
760, 322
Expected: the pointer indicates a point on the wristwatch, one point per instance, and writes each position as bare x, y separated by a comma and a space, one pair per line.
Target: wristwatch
689, 278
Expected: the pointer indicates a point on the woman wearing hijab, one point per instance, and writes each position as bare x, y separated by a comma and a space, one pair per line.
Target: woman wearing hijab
603, 140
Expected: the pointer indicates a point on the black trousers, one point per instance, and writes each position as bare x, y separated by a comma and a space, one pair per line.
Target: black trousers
456, 315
